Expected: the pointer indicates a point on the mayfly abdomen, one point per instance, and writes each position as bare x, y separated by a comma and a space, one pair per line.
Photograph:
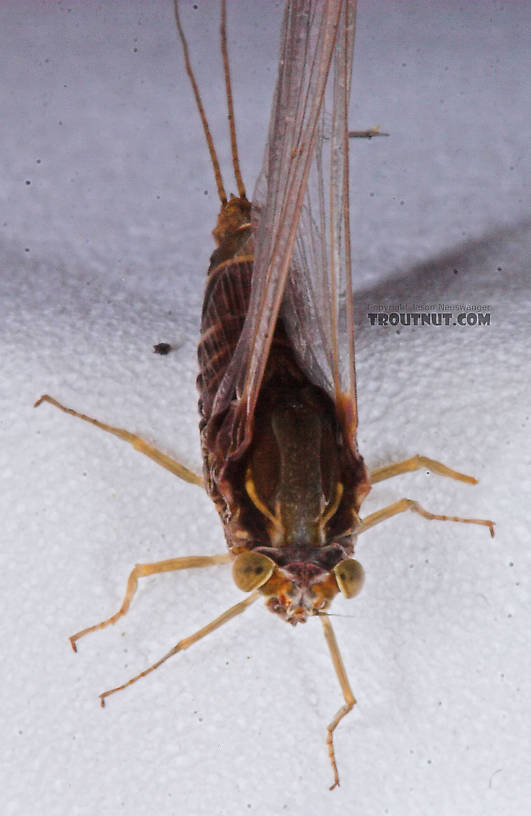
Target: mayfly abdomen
225, 306
226, 299
292, 485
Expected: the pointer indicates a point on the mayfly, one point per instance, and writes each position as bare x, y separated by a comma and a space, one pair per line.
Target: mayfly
277, 388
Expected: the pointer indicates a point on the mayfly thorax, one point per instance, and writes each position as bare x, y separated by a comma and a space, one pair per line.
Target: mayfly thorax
277, 387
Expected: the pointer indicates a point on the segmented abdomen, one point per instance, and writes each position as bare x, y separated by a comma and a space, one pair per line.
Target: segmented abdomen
224, 309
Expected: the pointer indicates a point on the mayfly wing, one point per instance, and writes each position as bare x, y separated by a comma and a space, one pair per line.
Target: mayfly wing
315, 36
317, 309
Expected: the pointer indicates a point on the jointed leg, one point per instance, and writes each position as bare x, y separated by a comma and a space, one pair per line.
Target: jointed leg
415, 463
140, 571
350, 700
408, 504
136, 441
237, 609
367, 134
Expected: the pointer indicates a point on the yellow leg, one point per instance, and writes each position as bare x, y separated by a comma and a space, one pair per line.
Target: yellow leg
136, 441
408, 504
367, 134
350, 700
183, 644
140, 571
416, 463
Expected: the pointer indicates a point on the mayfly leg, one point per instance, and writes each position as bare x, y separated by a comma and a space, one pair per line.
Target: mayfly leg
136, 441
370, 133
143, 570
416, 463
183, 644
402, 505
406, 466
348, 695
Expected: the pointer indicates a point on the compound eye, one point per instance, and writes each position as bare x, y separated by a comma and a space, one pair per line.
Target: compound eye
251, 570
350, 577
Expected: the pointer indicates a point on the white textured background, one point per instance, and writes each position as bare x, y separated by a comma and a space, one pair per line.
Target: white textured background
107, 205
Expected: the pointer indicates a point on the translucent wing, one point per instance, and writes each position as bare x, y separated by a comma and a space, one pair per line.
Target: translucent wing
300, 210
317, 308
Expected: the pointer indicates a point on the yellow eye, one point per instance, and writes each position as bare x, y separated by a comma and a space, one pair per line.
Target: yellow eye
251, 570
350, 576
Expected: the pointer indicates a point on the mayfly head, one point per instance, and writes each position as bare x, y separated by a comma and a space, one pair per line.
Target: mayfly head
297, 590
